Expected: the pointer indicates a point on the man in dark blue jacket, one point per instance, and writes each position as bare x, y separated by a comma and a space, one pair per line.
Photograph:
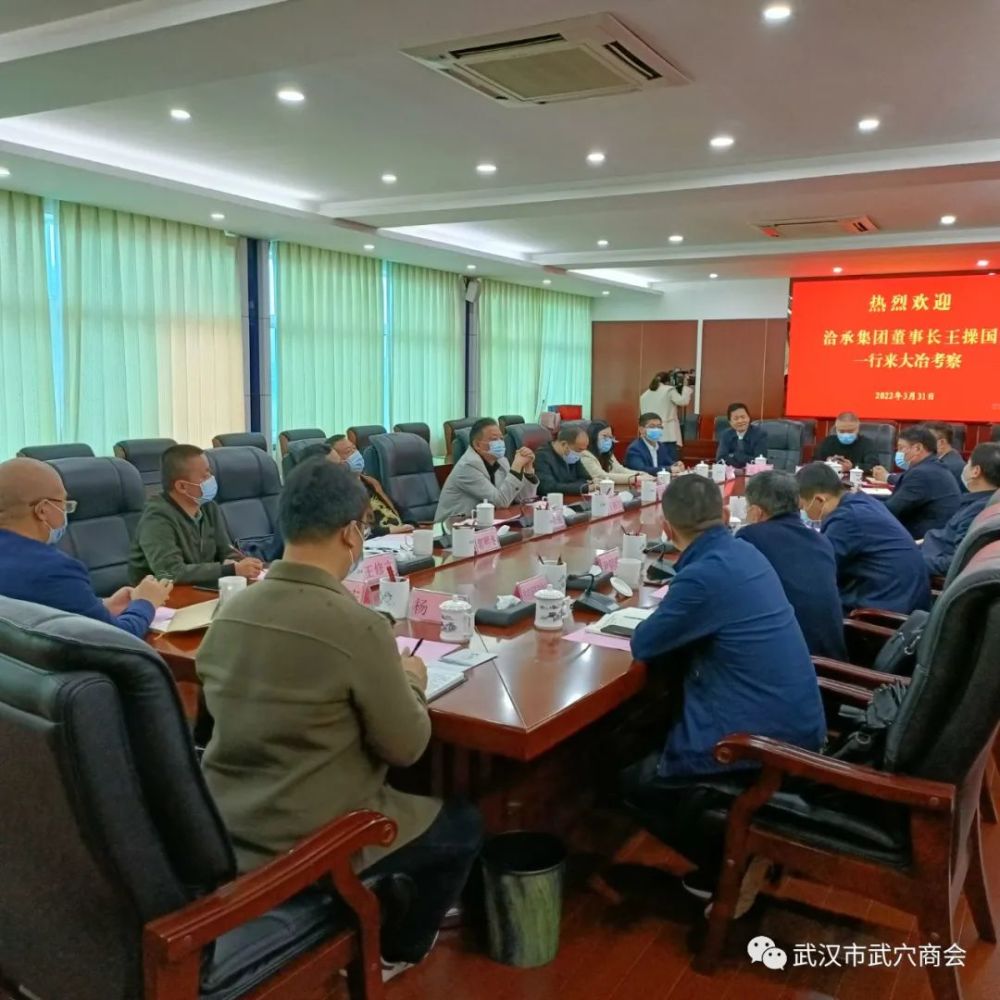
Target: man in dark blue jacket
740, 442
727, 630
947, 455
981, 478
802, 558
649, 452
878, 563
33, 512
926, 493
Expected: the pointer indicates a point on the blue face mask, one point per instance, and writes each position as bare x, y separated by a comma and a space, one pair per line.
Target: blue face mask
654, 433
901, 460
572, 457
356, 462
498, 449
805, 518
209, 490
847, 438
604, 445
55, 534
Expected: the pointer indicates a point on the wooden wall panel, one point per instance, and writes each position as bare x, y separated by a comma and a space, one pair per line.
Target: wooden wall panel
773, 382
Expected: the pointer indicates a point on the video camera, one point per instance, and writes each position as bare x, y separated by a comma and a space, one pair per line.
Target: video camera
679, 377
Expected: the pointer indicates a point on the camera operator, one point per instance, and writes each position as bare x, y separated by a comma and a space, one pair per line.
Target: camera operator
667, 391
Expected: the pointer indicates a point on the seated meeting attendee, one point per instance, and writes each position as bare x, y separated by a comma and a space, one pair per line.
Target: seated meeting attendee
33, 512
313, 704
385, 519
649, 452
848, 445
181, 534
483, 473
981, 478
951, 459
925, 494
727, 631
557, 463
599, 460
740, 442
802, 558
878, 563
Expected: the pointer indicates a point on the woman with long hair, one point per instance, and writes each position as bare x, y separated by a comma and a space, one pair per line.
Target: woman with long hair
662, 398
599, 460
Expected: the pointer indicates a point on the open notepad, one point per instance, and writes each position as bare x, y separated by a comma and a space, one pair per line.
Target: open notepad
442, 678
628, 619
188, 619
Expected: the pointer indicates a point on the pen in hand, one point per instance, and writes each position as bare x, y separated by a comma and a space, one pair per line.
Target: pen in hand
413, 652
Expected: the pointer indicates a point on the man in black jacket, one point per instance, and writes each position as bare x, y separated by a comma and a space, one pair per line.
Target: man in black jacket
848, 446
557, 463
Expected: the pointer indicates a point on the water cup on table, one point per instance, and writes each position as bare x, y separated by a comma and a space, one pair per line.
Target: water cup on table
423, 542
607, 487
738, 508
552, 608
230, 586
557, 574
484, 514
663, 477
457, 620
857, 475
555, 501
544, 520
463, 542
633, 546
629, 570
394, 597
648, 491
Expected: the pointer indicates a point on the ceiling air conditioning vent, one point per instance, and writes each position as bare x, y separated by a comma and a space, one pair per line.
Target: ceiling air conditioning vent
562, 61
816, 228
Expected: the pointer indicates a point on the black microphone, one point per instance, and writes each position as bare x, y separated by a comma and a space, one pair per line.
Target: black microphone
589, 600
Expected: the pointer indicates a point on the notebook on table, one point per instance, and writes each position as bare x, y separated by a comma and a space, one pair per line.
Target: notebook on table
441, 678
189, 619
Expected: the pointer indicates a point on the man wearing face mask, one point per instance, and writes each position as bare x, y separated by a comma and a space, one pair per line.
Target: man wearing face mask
649, 452
313, 704
33, 512
981, 477
483, 473
925, 494
558, 462
181, 534
878, 563
848, 446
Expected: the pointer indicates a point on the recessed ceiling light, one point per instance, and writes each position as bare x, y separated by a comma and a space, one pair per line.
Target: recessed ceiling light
837, 270
982, 263
289, 95
868, 124
486, 168
546, 281
596, 158
676, 238
775, 12
218, 216
602, 243
389, 178
4, 172
470, 267
369, 246
713, 275
180, 115
721, 141
948, 220
605, 292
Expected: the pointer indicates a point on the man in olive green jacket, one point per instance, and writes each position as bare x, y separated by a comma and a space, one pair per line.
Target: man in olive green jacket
181, 531
313, 703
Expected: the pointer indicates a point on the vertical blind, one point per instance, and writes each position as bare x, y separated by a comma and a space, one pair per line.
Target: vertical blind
27, 391
152, 328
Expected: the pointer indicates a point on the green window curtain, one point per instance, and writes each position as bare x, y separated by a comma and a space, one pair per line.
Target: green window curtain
534, 349
427, 338
27, 395
328, 331
153, 329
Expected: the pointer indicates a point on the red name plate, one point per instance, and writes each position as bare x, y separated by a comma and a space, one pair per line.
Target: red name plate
363, 591
381, 567
526, 589
487, 540
425, 605
661, 488
558, 520
615, 505
607, 562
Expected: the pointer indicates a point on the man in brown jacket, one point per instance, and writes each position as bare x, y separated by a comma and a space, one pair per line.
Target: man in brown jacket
312, 705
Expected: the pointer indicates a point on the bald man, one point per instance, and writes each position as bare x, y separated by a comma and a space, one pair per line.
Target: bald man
33, 512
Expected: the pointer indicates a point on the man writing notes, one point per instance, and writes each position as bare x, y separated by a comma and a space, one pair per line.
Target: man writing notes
181, 534
728, 630
313, 704
483, 473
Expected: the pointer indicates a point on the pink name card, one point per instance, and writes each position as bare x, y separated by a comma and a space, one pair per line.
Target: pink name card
381, 567
363, 591
487, 540
526, 589
607, 562
558, 520
661, 488
615, 505
425, 605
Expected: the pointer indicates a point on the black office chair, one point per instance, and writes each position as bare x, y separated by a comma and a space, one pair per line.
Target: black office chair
249, 489
721, 424
285, 438
421, 430
995, 432
361, 436
808, 430
242, 439
47, 452
450, 426
145, 455
110, 497
884, 437
119, 877
531, 436
298, 450
507, 420
404, 465
784, 443
690, 426
460, 443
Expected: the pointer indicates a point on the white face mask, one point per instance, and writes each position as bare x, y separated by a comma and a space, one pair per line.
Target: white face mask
967, 475
361, 552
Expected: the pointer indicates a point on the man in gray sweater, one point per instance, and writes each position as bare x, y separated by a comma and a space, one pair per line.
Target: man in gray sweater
483, 473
